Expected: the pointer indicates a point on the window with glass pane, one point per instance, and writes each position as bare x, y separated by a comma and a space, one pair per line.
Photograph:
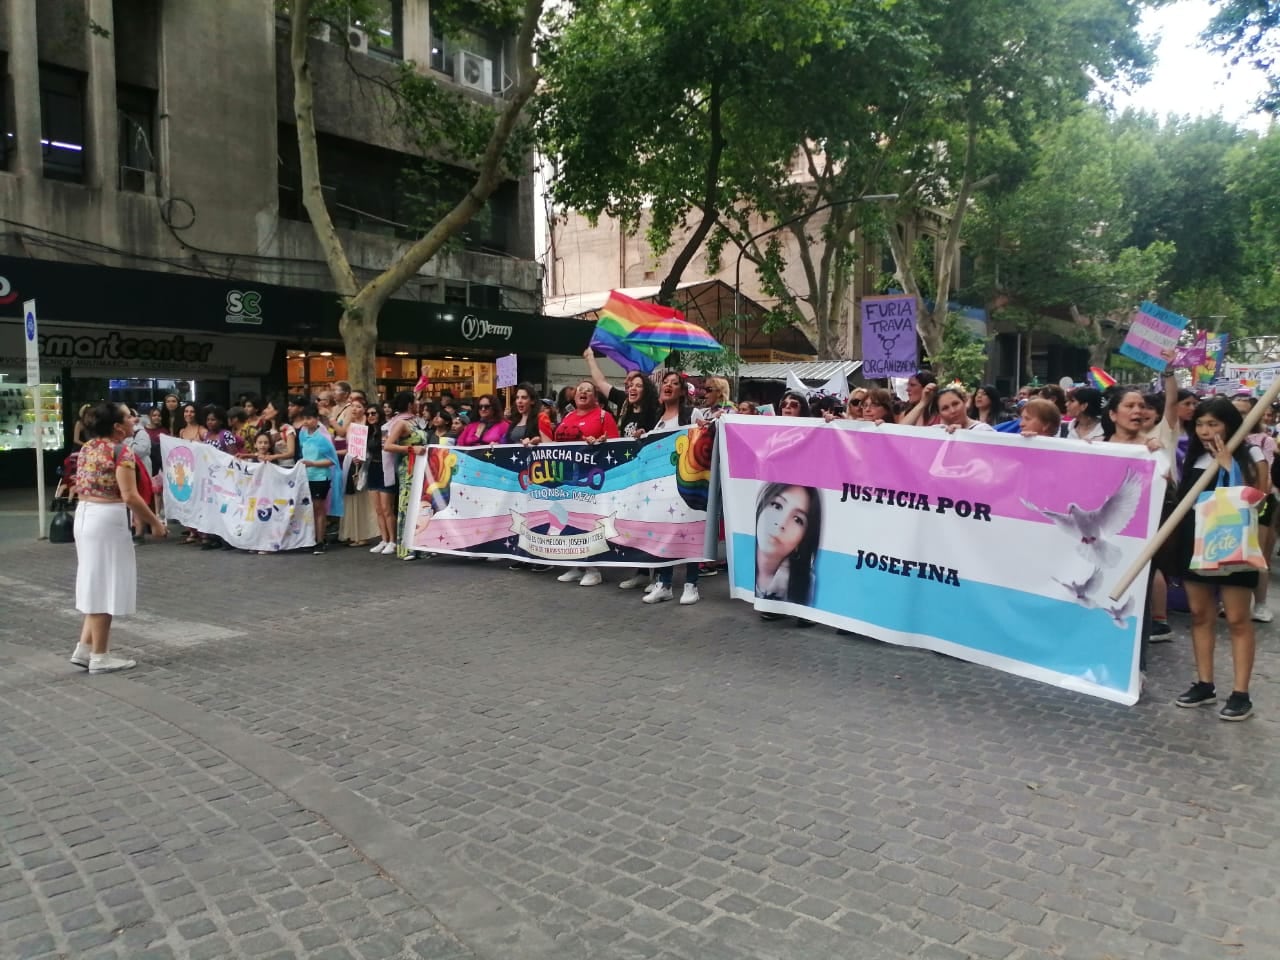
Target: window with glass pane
62, 123
385, 28
136, 108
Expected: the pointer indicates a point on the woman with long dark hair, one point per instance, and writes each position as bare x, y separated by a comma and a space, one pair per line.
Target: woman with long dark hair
488, 427
675, 414
405, 436
106, 486
171, 415
915, 392
987, 406
788, 528
1216, 420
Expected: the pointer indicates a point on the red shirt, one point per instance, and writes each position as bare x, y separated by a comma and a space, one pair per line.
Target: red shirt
594, 423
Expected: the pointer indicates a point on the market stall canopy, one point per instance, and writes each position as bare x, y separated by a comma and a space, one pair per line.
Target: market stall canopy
822, 370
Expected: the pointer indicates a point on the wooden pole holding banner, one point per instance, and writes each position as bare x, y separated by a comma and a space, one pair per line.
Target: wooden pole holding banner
1187, 502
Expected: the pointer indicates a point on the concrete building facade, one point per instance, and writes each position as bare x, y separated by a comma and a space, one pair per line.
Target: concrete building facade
148, 190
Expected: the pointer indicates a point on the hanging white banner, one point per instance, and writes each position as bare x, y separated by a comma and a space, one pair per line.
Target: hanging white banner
252, 506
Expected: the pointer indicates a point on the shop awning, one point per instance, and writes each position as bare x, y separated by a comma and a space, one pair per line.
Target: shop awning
822, 370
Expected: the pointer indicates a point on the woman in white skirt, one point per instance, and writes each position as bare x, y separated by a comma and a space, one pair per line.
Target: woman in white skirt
106, 484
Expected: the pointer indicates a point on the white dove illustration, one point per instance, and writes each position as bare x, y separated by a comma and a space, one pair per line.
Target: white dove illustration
1080, 589
1121, 612
1091, 528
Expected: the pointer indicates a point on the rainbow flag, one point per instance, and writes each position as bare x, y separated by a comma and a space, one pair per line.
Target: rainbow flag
1099, 378
638, 335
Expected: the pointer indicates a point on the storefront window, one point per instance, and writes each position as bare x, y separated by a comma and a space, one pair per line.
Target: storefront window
18, 416
309, 371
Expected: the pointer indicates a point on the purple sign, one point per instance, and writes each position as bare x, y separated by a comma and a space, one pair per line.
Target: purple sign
1190, 357
507, 371
889, 337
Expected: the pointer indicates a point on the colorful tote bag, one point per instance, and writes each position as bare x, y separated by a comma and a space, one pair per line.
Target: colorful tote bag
1227, 527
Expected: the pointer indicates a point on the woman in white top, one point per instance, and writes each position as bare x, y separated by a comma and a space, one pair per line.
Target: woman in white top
1084, 407
673, 414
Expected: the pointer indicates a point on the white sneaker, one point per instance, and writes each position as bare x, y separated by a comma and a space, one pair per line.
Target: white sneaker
389, 548
105, 663
1263, 615
80, 656
591, 578
653, 585
690, 594
637, 580
571, 575
378, 547
659, 595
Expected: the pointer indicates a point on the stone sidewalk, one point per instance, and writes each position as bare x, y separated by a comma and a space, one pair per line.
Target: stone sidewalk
346, 756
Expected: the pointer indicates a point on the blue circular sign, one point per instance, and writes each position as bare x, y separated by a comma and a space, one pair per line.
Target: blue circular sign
31, 325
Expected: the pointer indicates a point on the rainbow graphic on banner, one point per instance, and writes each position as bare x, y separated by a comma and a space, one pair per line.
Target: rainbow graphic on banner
638, 335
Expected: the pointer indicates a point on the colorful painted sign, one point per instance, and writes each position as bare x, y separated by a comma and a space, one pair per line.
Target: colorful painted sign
623, 503
1215, 353
989, 547
1153, 336
253, 506
889, 336
358, 441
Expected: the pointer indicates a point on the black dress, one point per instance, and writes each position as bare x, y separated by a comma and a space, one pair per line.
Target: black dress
1187, 539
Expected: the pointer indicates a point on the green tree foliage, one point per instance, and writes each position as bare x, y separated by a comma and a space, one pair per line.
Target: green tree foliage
1249, 31
1058, 253
443, 123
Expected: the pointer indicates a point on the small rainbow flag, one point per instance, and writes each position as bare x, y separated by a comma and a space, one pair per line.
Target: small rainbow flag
638, 335
1100, 378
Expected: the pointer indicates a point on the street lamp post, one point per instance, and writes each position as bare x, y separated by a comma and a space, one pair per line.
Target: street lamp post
742, 249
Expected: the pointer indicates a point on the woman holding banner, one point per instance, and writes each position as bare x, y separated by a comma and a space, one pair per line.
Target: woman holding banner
589, 422
1215, 420
675, 414
405, 436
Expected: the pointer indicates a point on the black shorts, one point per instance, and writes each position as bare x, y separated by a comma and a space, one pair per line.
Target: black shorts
319, 489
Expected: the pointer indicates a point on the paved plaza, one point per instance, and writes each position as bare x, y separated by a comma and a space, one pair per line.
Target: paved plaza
353, 757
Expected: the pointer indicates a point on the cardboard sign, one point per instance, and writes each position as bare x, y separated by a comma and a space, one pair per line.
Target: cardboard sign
889, 336
358, 441
507, 371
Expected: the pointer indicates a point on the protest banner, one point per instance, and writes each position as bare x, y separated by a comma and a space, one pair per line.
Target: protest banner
1215, 353
252, 506
1253, 377
358, 441
623, 503
507, 376
1153, 336
992, 548
889, 336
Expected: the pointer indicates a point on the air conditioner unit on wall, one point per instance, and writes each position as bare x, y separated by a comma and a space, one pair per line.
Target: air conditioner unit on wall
473, 71
137, 180
357, 40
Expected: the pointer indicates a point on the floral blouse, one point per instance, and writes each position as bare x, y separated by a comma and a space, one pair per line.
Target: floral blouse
96, 469
224, 440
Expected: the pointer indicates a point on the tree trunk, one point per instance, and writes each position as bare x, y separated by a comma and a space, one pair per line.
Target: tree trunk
710, 203
361, 305
360, 340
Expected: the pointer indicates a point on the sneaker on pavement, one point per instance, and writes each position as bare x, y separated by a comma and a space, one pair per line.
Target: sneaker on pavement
635, 580
571, 575
690, 594
1160, 632
652, 586
320, 549
389, 549
659, 595
591, 578
1200, 694
540, 567
105, 663
1263, 615
378, 547
708, 570
80, 656
1237, 707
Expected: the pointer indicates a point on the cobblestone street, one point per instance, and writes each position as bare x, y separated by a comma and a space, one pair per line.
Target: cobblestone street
347, 756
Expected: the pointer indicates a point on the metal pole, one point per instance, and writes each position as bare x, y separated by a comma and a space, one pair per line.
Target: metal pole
37, 396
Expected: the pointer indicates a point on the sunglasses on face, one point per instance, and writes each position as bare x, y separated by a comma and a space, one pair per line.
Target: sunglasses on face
485, 406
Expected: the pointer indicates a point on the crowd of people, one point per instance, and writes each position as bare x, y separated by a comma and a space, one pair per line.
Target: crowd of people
119, 463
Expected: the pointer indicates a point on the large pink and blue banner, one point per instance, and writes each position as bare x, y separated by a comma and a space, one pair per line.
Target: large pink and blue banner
621, 503
992, 548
